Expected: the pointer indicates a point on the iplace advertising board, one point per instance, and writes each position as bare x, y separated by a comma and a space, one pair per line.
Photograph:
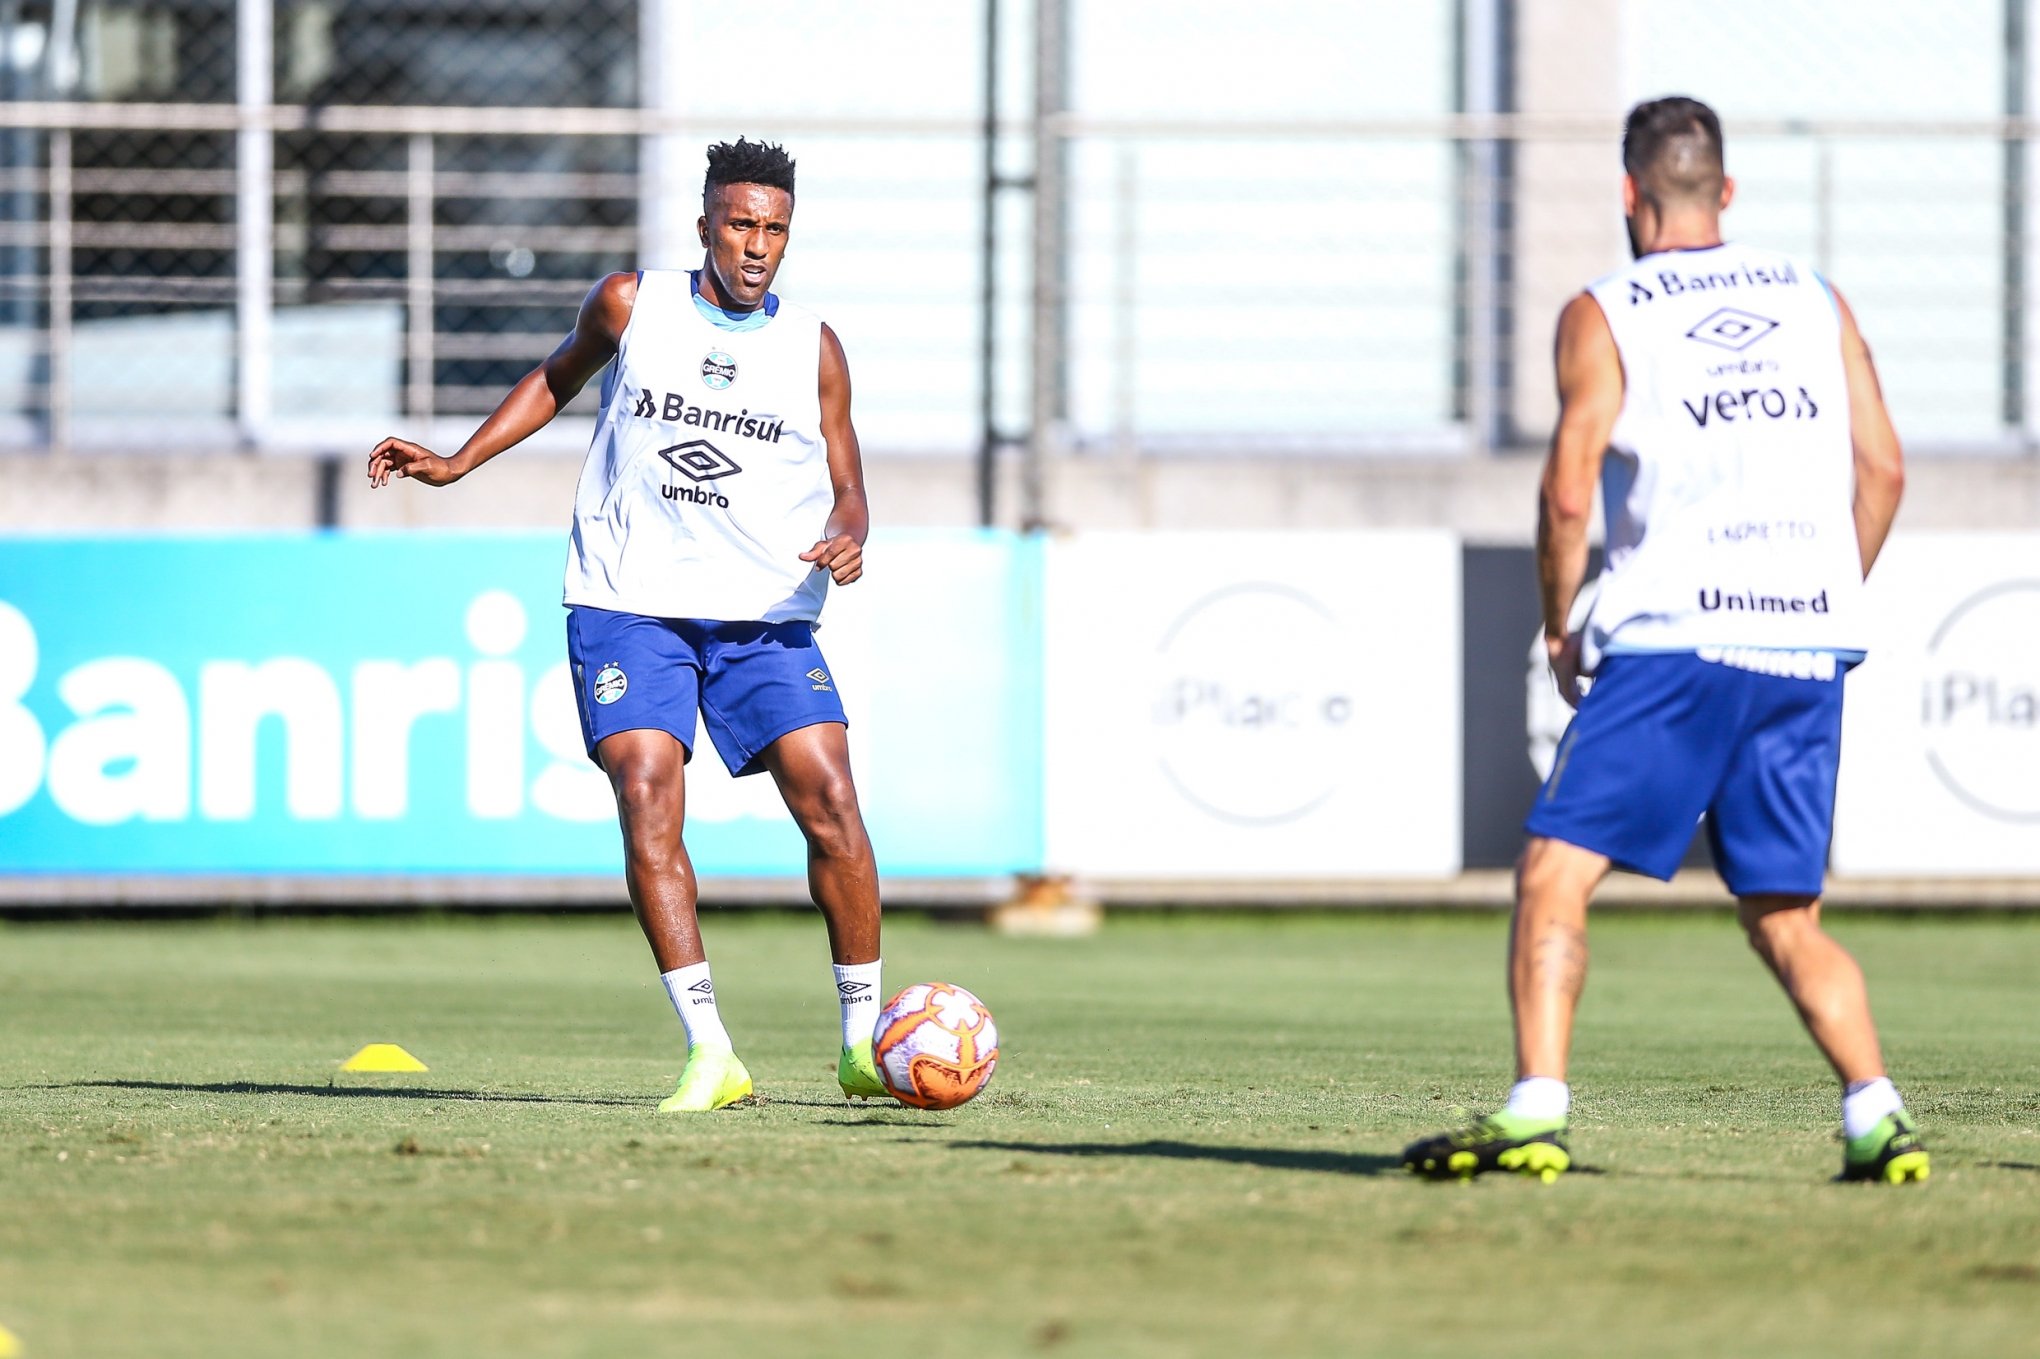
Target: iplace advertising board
1941, 731
1252, 705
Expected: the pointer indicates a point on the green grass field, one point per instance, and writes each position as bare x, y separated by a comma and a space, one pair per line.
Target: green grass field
1189, 1148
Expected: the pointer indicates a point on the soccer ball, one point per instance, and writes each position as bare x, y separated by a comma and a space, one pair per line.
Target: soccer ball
935, 1045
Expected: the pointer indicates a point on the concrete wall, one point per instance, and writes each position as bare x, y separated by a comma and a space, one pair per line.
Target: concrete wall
1486, 500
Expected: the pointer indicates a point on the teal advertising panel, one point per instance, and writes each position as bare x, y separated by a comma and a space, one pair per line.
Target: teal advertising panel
367, 703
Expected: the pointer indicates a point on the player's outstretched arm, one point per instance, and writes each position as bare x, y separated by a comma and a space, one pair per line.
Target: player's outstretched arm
841, 549
1589, 399
536, 399
1880, 465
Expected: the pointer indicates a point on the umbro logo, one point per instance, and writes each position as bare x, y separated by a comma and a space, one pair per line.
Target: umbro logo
1732, 328
821, 679
704, 986
850, 989
700, 460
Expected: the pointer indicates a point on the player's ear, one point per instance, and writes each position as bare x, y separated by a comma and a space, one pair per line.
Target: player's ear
1629, 195
1727, 192
701, 229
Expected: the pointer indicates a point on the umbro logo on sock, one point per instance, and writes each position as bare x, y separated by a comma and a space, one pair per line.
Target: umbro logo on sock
850, 990
704, 986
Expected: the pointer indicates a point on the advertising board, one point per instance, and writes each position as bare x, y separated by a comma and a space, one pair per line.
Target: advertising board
1253, 705
1941, 736
361, 703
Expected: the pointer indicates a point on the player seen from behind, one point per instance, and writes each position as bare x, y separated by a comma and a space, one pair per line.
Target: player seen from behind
722, 493
1724, 399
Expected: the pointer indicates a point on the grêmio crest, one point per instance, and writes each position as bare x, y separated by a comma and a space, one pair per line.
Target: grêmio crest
718, 370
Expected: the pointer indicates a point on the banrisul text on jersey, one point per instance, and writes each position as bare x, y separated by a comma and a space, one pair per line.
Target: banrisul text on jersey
708, 475
1728, 478
1670, 280
673, 408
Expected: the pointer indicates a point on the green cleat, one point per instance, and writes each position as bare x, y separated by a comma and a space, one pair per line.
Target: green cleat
713, 1078
858, 1074
1890, 1153
1502, 1141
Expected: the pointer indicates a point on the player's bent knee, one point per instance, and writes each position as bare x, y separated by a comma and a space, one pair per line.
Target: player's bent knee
838, 840
644, 792
1552, 868
1768, 920
829, 815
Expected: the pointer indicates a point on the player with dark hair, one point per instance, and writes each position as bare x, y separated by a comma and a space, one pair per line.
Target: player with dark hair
748, 162
1671, 152
722, 493
1724, 399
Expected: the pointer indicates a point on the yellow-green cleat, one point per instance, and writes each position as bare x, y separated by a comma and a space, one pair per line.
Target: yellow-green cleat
1890, 1153
713, 1078
857, 1073
1501, 1141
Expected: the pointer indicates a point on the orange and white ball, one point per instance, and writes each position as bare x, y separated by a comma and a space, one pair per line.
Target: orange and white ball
935, 1046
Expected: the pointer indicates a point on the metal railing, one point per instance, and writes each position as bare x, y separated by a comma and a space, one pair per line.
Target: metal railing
427, 255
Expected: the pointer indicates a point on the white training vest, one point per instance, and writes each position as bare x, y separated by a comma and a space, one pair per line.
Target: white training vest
1728, 481
708, 475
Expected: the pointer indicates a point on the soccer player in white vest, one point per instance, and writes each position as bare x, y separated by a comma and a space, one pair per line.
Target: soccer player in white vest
1724, 399
722, 493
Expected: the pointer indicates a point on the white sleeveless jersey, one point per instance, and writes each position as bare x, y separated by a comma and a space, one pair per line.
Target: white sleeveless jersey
1729, 477
708, 475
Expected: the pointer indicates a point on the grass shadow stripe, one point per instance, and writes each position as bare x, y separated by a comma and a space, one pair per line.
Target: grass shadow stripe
1270, 1158
340, 1091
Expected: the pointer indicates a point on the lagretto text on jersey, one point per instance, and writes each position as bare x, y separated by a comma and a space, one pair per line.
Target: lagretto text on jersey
1729, 477
708, 475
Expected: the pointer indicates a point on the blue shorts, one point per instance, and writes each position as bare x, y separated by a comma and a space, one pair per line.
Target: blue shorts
754, 682
1660, 739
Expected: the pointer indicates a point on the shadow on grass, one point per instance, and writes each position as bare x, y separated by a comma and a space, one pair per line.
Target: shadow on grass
838, 1105
2007, 1165
335, 1091
890, 1118
1273, 1158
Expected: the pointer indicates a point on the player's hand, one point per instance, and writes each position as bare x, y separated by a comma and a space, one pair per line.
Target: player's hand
841, 556
1565, 666
402, 458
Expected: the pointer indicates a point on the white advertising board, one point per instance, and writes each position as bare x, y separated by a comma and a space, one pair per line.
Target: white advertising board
1941, 732
1253, 705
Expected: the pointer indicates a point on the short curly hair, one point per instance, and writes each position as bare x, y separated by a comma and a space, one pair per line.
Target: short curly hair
746, 162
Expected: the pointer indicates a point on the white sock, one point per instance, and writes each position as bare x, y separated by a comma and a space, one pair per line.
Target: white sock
857, 991
1540, 1097
1865, 1103
694, 1001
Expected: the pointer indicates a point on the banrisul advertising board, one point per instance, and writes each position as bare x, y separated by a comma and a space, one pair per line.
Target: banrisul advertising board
370, 703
